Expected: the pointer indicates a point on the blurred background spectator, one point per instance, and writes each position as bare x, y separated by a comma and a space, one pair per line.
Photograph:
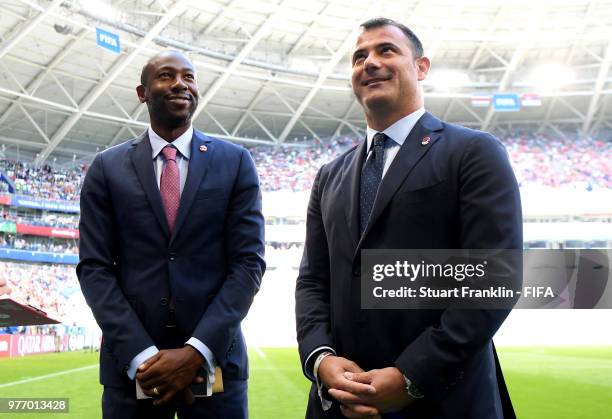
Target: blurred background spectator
4, 287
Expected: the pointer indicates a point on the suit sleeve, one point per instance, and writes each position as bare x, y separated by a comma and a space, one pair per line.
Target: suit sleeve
122, 329
490, 217
312, 292
244, 255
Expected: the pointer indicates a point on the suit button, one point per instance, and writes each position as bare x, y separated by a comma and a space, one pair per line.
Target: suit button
171, 256
357, 272
164, 301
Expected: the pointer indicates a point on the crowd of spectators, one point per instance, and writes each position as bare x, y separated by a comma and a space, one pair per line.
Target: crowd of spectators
39, 244
43, 182
551, 161
291, 168
537, 159
37, 218
51, 288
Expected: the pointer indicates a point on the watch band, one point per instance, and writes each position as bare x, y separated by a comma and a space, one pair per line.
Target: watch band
412, 390
326, 404
320, 358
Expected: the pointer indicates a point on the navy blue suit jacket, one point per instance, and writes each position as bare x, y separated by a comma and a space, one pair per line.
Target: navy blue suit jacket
457, 191
140, 280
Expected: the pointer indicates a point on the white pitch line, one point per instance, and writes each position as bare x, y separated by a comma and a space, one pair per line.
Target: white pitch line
43, 377
260, 352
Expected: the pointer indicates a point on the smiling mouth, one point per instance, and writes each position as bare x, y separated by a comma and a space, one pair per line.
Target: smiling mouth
179, 98
373, 81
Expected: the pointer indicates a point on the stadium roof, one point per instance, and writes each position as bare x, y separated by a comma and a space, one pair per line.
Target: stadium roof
277, 71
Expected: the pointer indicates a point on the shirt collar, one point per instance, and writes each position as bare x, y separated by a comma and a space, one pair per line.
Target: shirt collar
399, 130
182, 143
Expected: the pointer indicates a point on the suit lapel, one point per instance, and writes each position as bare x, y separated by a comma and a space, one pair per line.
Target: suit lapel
198, 166
350, 183
143, 164
409, 154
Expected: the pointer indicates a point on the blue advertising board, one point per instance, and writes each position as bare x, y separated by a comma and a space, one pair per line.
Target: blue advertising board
108, 40
506, 102
28, 202
28, 255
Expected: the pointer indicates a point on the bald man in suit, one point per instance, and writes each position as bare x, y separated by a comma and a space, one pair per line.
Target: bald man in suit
171, 256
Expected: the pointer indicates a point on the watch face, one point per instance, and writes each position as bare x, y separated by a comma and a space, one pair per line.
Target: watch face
414, 391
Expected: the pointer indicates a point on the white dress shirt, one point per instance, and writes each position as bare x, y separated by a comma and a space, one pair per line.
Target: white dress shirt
398, 132
182, 144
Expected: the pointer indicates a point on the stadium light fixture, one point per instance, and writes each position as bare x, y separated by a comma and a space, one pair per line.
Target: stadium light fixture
551, 77
446, 80
101, 8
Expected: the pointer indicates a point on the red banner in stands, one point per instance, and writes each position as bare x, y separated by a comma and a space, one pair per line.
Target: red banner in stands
5, 200
17, 345
65, 233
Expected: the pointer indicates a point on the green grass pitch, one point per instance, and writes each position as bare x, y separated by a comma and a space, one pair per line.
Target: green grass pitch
543, 382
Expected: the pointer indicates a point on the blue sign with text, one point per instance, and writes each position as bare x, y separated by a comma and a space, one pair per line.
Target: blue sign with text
506, 102
108, 40
29, 202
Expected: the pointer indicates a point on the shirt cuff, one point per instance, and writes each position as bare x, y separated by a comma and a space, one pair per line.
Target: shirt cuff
209, 358
139, 359
210, 362
309, 363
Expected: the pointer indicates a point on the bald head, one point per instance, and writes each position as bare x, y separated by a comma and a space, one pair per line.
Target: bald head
170, 90
155, 60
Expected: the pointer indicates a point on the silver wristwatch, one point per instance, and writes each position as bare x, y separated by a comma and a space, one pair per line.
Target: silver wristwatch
412, 390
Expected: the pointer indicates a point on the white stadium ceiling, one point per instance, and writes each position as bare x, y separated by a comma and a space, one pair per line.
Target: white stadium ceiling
277, 71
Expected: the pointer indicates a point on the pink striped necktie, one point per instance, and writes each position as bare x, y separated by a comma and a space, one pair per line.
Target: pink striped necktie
170, 186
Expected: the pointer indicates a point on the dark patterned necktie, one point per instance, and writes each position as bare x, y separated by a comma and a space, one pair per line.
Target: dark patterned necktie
371, 175
170, 186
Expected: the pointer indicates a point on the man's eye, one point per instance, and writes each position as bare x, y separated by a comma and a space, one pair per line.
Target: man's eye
189, 76
164, 75
358, 58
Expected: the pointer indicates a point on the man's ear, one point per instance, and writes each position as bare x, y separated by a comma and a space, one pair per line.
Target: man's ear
141, 92
423, 64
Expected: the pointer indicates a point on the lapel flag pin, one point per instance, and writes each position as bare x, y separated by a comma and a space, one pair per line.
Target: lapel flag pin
425, 140
203, 148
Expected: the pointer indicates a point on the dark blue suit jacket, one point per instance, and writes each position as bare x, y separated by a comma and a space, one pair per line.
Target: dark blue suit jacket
140, 281
458, 191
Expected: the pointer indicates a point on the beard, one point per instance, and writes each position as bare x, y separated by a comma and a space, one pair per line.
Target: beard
169, 117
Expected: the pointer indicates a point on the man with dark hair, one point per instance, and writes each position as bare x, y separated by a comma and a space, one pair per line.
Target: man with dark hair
379, 22
415, 182
171, 256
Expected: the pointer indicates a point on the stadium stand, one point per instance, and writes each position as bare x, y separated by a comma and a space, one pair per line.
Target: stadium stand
538, 159
48, 221
52, 288
43, 182
545, 160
